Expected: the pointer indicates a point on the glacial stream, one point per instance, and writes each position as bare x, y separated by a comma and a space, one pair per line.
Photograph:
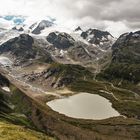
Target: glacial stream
85, 106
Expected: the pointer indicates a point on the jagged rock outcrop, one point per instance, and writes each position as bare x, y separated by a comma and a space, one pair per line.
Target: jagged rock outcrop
78, 29
60, 40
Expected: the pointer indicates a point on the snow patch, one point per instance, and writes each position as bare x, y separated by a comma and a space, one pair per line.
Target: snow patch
6, 89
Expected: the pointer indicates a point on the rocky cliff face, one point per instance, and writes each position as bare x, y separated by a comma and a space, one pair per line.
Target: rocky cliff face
24, 48
127, 48
60, 40
126, 58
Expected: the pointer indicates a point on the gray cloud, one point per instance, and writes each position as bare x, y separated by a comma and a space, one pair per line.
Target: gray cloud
95, 13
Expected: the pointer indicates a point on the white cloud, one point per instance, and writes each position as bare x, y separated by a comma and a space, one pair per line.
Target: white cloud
116, 28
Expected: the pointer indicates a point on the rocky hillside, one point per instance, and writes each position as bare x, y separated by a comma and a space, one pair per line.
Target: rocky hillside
24, 48
125, 58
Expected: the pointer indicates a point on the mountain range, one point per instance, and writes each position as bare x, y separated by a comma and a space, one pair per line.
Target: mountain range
40, 62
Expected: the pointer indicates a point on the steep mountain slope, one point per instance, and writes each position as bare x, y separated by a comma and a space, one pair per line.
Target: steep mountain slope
102, 39
125, 63
14, 125
24, 48
60, 40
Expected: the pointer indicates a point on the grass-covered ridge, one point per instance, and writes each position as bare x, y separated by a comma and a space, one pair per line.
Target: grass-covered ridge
9, 131
58, 75
126, 71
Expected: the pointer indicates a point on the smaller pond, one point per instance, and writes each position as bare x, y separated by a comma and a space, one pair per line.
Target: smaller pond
85, 106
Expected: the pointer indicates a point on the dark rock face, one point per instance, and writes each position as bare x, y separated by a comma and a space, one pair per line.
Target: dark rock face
78, 29
127, 48
84, 35
96, 36
24, 41
23, 48
20, 29
60, 40
126, 58
33, 25
41, 26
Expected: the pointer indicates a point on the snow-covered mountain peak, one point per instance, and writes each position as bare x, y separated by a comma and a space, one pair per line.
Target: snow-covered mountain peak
37, 27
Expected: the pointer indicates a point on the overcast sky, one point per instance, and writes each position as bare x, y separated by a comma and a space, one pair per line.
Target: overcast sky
116, 16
